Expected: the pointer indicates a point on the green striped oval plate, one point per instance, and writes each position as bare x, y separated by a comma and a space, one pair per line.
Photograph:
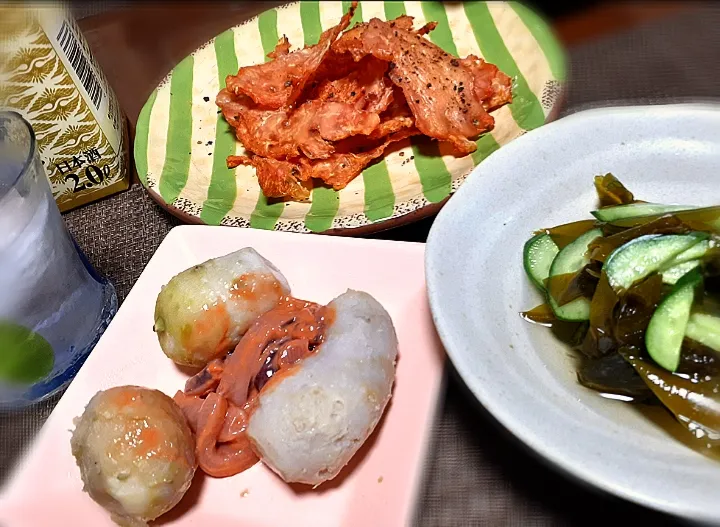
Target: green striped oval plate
182, 141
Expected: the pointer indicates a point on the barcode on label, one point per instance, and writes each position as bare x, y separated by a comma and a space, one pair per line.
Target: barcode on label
75, 54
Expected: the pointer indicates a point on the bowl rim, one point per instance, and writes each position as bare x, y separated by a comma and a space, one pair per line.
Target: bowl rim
525, 435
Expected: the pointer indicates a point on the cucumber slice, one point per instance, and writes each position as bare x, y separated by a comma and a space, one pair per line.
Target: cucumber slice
668, 324
538, 255
571, 259
644, 255
685, 262
710, 216
573, 256
704, 329
632, 210
695, 252
672, 274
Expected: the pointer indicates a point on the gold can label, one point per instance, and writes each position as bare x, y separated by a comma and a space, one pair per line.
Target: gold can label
48, 74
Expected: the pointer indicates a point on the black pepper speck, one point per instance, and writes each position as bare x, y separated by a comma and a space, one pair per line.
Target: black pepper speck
206, 99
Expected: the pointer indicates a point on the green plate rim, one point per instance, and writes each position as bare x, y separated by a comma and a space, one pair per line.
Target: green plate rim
407, 211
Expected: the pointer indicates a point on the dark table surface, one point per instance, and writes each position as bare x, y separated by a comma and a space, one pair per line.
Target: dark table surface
477, 474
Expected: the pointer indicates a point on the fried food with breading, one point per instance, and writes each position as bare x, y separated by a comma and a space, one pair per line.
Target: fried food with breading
321, 114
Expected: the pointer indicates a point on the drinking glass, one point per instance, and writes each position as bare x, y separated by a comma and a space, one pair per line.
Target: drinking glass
53, 305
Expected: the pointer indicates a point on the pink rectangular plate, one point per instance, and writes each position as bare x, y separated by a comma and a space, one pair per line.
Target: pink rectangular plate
378, 487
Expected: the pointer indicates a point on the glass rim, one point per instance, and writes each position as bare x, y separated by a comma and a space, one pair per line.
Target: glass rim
31, 149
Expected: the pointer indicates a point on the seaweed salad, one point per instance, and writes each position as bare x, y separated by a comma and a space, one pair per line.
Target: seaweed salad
635, 291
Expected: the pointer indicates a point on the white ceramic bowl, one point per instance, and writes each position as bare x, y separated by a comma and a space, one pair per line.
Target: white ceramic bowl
477, 287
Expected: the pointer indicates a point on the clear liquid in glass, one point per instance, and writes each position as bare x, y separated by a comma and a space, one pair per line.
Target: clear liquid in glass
46, 283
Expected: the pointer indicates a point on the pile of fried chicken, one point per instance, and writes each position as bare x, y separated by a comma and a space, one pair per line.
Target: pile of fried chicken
321, 114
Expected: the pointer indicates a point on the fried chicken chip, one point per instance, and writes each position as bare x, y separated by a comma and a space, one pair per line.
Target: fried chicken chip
351, 42
325, 112
427, 28
277, 179
346, 50
440, 89
278, 83
395, 118
366, 87
283, 133
490, 85
333, 67
335, 120
293, 178
342, 167
281, 48
391, 126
